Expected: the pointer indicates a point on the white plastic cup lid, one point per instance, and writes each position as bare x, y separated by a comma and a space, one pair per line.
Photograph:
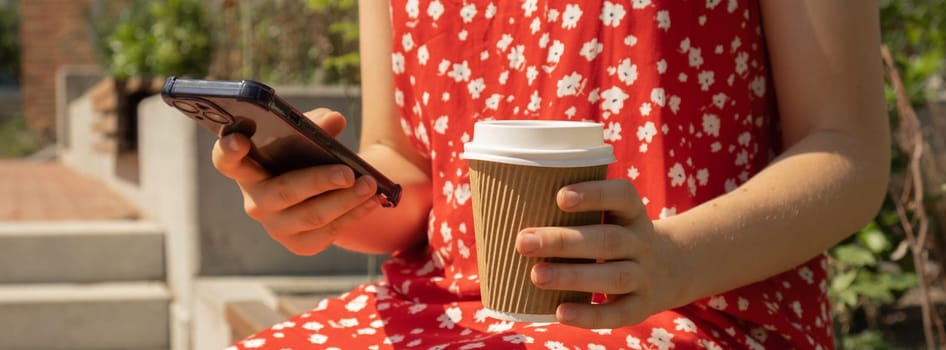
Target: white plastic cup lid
556, 144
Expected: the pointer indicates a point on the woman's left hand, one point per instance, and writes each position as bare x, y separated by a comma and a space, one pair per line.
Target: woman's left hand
637, 268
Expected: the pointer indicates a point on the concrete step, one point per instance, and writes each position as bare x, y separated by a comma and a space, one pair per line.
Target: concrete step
84, 316
81, 252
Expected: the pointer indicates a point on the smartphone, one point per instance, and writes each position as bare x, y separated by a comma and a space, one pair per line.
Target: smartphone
283, 138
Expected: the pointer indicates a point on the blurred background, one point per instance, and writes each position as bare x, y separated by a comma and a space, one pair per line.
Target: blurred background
115, 232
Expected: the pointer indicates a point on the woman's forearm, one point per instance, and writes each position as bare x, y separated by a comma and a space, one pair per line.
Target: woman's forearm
819, 191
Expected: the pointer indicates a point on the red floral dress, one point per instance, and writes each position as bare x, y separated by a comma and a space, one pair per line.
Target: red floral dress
683, 90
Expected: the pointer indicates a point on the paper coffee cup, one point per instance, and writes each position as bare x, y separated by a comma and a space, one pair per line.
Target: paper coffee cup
516, 170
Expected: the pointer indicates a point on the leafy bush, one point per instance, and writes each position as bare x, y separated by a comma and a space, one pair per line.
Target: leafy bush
871, 269
9, 42
155, 38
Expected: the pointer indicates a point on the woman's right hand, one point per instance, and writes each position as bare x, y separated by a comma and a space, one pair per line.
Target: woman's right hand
304, 209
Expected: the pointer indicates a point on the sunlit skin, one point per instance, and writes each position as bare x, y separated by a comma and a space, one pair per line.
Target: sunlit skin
829, 180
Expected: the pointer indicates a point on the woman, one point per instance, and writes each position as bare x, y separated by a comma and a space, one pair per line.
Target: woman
750, 137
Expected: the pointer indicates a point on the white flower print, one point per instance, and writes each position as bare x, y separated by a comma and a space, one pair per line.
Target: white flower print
471, 346
421, 132
412, 8
435, 9
503, 77
796, 307
695, 56
393, 339
735, 44
718, 302
639, 4
716, 147
447, 189
516, 57
677, 175
446, 232
570, 112
490, 11
399, 98
658, 96
731, 6
646, 132
633, 173
531, 74
711, 124
663, 20
742, 64
730, 185
463, 249
702, 176
535, 25
612, 132
440, 125
596, 347
613, 99
719, 100
684, 324
742, 304
462, 193
591, 49
366, 331
348, 322
442, 68
744, 138
806, 274
518, 339
475, 87
682, 77
544, 40
318, 339
594, 96
407, 41
534, 102
742, 158
529, 6
759, 334
462, 35
661, 66
500, 327
661, 338
711, 4
627, 71
706, 79
254, 343
423, 55
554, 345
646, 108
313, 326
571, 16
467, 13
425, 98
758, 86
450, 317
568, 85
701, 20
555, 52
460, 72
709, 344
753, 344
612, 14
397, 62
493, 101
504, 42
633, 343
357, 304
674, 103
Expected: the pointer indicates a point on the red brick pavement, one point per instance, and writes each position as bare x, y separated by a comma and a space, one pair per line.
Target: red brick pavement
49, 191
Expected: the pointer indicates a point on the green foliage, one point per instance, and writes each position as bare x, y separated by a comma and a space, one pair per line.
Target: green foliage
9, 41
341, 62
915, 32
168, 37
16, 140
867, 277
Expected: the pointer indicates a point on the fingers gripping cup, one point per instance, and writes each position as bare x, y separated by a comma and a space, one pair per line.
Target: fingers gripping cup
516, 170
